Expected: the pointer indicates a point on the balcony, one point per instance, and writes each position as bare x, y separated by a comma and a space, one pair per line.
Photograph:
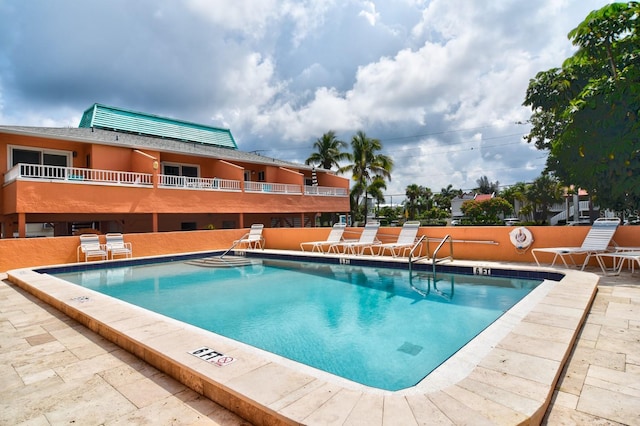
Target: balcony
75, 175
326, 191
206, 184
272, 188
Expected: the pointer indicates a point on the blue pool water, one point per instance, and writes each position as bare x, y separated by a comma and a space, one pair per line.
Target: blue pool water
369, 325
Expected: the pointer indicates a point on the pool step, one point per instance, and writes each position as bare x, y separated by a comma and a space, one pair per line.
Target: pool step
222, 262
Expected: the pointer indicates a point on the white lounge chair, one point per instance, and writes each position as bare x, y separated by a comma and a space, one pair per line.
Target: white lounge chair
334, 237
90, 247
117, 247
253, 239
597, 241
618, 259
367, 240
406, 240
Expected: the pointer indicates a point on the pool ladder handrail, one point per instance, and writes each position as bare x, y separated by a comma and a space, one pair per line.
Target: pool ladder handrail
235, 243
433, 288
418, 244
435, 252
434, 258
411, 260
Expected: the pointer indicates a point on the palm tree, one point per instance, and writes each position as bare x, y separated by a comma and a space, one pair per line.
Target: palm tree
419, 200
375, 190
449, 192
443, 199
544, 192
516, 195
367, 164
328, 151
426, 199
413, 193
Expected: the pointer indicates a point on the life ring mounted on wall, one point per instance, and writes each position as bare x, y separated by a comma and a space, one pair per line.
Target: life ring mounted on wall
521, 238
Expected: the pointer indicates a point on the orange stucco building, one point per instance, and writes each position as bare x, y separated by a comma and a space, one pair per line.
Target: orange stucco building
129, 172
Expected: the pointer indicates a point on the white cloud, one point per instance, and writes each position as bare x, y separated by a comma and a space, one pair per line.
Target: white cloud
246, 17
369, 12
440, 82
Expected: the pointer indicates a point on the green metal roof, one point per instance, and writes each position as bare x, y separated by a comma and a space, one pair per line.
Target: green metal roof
111, 118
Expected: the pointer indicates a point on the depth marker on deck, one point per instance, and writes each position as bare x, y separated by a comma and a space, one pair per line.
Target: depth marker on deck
212, 356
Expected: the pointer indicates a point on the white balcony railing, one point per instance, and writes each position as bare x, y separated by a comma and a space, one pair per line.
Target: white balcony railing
113, 177
272, 188
186, 182
77, 175
326, 191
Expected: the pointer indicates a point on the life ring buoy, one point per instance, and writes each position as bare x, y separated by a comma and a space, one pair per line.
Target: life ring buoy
521, 238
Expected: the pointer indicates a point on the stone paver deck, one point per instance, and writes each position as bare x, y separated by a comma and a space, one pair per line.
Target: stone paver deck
600, 383
56, 371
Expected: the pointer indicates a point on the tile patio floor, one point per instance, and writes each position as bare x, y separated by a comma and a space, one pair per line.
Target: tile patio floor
601, 382
55, 371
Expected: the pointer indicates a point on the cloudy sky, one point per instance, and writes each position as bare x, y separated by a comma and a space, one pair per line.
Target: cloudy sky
439, 82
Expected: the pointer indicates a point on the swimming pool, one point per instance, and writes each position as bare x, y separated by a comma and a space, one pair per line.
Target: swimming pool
368, 324
520, 355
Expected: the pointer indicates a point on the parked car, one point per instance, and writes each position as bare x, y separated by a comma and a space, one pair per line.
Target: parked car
632, 220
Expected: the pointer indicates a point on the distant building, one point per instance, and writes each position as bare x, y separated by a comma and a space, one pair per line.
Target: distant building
577, 209
126, 171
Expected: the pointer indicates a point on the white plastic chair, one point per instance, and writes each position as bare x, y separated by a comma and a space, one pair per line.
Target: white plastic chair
597, 241
90, 247
334, 237
368, 238
406, 240
253, 239
117, 247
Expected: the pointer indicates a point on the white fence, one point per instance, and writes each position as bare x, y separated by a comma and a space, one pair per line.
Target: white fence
213, 184
272, 188
327, 191
77, 175
114, 177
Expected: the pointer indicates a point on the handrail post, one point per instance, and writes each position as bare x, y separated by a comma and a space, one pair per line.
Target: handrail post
411, 253
229, 249
435, 253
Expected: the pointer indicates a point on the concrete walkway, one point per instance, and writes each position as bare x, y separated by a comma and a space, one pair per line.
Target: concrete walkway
601, 382
54, 371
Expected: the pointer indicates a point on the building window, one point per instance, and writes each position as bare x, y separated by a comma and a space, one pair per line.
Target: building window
190, 171
260, 176
173, 169
38, 156
188, 226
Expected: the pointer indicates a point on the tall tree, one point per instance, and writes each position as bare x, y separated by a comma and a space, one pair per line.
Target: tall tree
516, 195
413, 193
485, 186
367, 164
586, 112
544, 192
375, 189
419, 201
444, 197
328, 151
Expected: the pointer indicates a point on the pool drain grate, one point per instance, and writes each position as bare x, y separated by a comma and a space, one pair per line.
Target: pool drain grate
410, 348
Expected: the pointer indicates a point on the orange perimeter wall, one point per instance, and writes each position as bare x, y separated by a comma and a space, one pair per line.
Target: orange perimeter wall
471, 243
